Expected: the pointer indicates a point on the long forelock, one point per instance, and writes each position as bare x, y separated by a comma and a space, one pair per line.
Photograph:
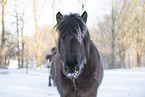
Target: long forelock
74, 25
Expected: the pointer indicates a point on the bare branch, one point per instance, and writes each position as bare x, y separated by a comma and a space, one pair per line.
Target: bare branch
42, 7
5, 1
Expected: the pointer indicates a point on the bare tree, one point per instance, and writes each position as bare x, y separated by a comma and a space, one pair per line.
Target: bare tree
83, 3
46, 44
113, 36
138, 28
81, 6
22, 36
109, 35
18, 35
53, 7
54, 22
30, 51
2, 51
38, 51
10, 48
38, 36
123, 29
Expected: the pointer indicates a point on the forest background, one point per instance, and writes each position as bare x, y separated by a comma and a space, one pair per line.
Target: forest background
117, 28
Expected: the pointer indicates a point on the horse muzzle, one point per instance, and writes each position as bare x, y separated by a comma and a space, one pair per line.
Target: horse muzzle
71, 69
71, 72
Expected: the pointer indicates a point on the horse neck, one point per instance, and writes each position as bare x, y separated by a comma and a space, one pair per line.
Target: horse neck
93, 55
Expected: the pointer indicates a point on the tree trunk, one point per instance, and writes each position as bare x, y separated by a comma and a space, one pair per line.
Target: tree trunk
38, 50
23, 43
83, 3
113, 39
54, 23
139, 21
27, 63
18, 43
22, 37
18, 36
122, 59
22, 55
112, 56
140, 34
6, 61
2, 51
22, 52
122, 53
138, 58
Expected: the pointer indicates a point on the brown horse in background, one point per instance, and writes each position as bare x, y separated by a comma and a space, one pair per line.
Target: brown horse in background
77, 67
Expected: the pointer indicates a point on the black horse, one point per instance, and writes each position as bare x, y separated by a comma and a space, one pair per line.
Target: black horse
77, 67
50, 57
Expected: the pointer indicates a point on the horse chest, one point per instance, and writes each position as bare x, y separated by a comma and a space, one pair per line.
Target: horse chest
81, 85
85, 82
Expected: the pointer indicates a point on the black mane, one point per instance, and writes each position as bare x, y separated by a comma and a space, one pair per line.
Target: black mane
71, 24
77, 67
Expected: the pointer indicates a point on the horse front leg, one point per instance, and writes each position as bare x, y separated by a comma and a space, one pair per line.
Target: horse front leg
49, 81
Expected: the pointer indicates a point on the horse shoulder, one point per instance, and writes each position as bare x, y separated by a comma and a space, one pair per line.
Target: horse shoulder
96, 63
54, 67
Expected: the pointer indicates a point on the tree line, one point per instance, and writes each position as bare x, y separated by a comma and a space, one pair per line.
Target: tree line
123, 35
119, 35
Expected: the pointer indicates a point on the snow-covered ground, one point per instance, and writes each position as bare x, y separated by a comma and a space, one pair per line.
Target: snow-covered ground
116, 83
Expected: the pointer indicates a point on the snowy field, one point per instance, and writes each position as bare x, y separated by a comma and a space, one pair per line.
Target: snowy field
116, 83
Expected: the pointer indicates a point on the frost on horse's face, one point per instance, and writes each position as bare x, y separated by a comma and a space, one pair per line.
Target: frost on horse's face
77, 69
72, 30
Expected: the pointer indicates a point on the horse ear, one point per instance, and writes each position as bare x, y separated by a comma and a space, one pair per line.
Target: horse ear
84, 16
58, 16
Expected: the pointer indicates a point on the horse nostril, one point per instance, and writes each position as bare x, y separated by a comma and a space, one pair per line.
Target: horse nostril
76, 68
66, 69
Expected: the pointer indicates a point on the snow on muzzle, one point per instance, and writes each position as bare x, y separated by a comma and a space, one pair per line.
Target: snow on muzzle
71, 72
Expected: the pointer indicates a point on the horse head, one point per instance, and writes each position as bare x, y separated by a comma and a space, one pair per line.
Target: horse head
72, 39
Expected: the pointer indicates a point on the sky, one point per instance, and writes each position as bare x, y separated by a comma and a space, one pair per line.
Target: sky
95, 9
